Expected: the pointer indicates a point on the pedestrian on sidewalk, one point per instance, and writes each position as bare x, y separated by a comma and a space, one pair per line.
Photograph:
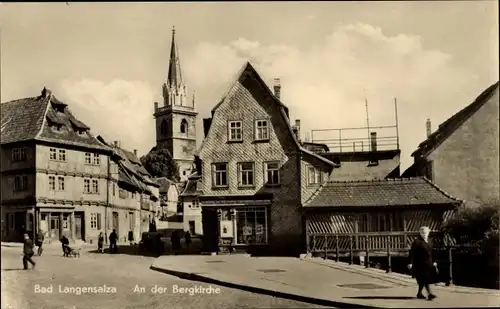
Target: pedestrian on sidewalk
131, 237
422, 265
100, 242
28, 252
113, 238
65, 245
39, 241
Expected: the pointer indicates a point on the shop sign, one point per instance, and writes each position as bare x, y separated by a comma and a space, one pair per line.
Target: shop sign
226, 228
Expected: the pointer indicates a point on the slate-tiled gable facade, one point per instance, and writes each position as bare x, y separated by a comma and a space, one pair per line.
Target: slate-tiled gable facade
275, 209
461, 156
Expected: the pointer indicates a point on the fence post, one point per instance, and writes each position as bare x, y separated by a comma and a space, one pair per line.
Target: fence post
326, 248
337, 247
314, 244
351, 258
450, 266
367, 260
389, 262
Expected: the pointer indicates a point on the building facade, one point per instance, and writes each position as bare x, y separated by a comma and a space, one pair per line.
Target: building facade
250, 190
192, 220
55, 175
461, 156
176, 118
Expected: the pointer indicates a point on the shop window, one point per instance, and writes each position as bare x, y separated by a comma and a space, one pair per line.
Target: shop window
251, 225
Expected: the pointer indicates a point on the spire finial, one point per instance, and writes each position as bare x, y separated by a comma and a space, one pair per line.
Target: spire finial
173, 29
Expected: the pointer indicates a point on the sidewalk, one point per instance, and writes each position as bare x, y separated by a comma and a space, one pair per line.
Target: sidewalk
318, 282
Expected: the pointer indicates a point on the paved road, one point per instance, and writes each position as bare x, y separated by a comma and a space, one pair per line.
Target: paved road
120, 271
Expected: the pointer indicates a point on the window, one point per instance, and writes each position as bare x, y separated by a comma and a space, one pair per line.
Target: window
261, 130
20, 183
96, 158
114, 188
81, 132
246, 174
56, 127
88, 158
86, 186
18, 154
251, 225
131, 221
314, 176
235, 131
220, 175
184, 126
53, 154
62, 155
52, 183
95, 221
60, 182
163, 127
10, 221
196, 203
272, 173
95, 186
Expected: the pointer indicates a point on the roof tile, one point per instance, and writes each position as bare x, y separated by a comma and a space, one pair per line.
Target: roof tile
387, 192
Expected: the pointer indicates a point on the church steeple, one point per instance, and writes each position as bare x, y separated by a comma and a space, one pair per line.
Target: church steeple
174, 70
174, 89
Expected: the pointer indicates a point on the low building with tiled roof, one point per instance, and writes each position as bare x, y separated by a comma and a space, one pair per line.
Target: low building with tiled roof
392, 209
461, 156
191, 204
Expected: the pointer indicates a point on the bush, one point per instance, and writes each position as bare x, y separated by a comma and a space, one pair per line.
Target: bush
475, 225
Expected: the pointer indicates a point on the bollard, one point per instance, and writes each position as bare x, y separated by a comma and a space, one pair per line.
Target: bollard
389, 262
337, 247
450, 265
351, 258
326, 248
367, 261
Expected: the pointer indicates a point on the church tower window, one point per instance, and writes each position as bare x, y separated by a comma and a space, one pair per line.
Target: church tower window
184, 126
163, 127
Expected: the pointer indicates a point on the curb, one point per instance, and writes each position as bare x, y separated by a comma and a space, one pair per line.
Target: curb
397, 278
306, 299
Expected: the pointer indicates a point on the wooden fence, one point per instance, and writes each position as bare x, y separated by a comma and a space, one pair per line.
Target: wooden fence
386, 244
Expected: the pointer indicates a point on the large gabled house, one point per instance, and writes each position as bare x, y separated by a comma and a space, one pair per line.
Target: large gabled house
461, 156
252, 170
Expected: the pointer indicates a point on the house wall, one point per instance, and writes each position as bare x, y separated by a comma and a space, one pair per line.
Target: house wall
247, 101
307, 190
466, 164
191, 213
10, 169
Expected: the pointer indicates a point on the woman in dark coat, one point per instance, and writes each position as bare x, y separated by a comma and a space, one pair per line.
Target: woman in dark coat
422, 266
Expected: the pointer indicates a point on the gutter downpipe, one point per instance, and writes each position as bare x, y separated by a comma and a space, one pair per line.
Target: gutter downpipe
107, 203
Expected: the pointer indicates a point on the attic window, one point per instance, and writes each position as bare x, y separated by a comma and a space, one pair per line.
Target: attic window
373, 162
57, 127
80, 132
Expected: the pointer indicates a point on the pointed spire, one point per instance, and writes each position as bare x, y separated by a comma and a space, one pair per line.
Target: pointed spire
194, 96
174, 70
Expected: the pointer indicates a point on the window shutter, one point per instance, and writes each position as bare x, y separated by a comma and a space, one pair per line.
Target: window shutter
98, 221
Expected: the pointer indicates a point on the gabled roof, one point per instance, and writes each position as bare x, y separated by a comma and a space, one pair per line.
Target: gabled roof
454, 122
29, 118
249, 69
191, 187
386, 192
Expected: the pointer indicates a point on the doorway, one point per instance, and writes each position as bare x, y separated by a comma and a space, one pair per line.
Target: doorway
210, 230
55, 227
79, 226
115, 222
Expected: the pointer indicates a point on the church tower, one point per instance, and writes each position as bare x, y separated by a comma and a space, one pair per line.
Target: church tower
176, 118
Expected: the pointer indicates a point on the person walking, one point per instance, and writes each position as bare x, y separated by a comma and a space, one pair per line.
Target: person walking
113, 238
100, 243
187, 239
39, 241
421, 263
28, 252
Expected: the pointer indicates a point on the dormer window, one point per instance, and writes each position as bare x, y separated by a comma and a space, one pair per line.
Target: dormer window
235, 133
81, 132
184, 126
261, 130
314, 176
57, 127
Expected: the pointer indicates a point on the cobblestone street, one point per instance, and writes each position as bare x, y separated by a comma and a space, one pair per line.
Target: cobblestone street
121, 271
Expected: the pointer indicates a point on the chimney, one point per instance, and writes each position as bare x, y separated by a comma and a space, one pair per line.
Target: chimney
297, 129
277, 88
373, 141
156, 107
428, 127
135, 152
115, 143
46, 92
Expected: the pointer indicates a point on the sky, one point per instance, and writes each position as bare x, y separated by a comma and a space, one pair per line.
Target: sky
108, 61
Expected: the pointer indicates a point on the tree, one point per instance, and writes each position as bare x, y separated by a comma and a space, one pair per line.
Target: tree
159, 163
